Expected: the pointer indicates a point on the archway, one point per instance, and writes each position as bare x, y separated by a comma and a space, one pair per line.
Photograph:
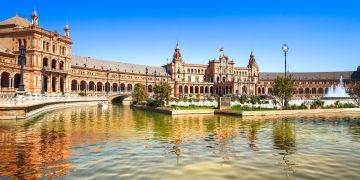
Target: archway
45, 83
301, 91
320, 91
73, 85
180, 89
16, 80
122, 87
115, 87
99, 86
91, 86
201, 89
313, 91
129, 87
186, 90
107, 87
150, 89
5, 79
211, 90
196, 89
191, 89
62, 81
83, 85
53, 84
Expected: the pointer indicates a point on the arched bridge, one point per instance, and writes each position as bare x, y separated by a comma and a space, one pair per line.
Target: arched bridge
123, 97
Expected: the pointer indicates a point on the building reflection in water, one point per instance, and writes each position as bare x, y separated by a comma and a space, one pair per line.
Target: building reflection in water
32, 150
42, 146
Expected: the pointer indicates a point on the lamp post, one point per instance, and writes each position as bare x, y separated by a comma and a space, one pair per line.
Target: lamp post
146, 72
285, 48
21, 62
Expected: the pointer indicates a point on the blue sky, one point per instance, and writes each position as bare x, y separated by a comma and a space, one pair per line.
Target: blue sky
322, 35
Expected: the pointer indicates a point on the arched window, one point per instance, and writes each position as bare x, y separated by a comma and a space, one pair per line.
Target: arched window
45, 62
53, 64
61, 65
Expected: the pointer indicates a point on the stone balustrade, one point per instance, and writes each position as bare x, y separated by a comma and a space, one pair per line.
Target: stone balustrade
30, 99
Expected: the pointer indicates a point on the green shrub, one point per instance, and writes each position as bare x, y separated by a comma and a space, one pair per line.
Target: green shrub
317, 104
82, 93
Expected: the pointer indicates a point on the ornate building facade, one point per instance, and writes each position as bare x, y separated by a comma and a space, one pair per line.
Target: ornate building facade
52, 69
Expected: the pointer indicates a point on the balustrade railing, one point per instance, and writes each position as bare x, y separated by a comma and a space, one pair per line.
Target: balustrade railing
29, 99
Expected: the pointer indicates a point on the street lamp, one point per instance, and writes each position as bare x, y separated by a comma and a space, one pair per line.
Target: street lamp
285, 48
22, 62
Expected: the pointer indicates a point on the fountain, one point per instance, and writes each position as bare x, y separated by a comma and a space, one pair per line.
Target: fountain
337, 92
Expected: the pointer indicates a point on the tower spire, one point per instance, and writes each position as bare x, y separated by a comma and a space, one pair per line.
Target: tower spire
177, 45
177, 53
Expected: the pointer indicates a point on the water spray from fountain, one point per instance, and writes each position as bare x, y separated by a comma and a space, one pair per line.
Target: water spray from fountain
337, 91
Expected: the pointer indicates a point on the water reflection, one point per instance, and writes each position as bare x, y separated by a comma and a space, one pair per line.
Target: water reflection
285, 141
125, 143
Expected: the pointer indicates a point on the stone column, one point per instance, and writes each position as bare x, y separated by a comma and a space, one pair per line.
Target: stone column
11, 83
58, 90
50, 84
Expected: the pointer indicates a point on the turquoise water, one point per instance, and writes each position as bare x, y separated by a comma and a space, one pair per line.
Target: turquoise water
121, 143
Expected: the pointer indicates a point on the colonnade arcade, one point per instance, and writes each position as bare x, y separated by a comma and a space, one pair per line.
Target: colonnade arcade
9, 81
99, 86
53, 76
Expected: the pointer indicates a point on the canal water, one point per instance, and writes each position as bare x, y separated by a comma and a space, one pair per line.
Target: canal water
122, 143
